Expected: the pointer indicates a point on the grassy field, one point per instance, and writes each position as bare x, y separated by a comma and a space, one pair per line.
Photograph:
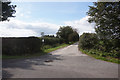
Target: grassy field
45, 51
108, 58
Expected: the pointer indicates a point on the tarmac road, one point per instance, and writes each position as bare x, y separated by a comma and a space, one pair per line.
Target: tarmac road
67, 62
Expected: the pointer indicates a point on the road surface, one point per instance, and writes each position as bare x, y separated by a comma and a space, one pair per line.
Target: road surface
67, 62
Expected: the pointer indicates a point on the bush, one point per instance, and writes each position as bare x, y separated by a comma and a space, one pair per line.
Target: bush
46, 47
20, 45
52, 40
88, 40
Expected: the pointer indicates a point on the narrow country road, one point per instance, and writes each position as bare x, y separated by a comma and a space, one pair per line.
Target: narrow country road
67, 62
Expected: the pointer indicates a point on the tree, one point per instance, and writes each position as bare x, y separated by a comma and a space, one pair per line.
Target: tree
106, 15
73, 37
42, 34
64, 33
7, 10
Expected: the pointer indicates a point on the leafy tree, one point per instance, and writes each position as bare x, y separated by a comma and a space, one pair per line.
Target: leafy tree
106, 15
73, 37
64, 32
7, 10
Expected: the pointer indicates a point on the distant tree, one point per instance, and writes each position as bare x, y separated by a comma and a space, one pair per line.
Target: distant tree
49, 36
73, 37
42, 34
64, 32
7, 10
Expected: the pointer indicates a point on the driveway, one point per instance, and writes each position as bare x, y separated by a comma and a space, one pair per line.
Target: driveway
67, 62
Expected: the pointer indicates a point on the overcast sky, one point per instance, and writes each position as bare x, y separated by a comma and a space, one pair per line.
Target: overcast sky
32, 18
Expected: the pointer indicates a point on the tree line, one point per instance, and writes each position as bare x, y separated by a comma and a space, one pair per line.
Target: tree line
106, 16
66, 34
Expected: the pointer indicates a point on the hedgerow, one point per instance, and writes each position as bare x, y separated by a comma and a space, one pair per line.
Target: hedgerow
20, 45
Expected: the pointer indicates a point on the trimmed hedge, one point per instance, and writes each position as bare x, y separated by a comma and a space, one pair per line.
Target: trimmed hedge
52, 40
20, 45
27, 45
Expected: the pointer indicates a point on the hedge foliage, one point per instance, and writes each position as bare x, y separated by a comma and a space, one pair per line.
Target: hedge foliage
20, 45
88, 40
52, 40
27, 45
100, 47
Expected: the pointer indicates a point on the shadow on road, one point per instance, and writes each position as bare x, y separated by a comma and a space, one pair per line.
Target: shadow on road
27, 63
6, 74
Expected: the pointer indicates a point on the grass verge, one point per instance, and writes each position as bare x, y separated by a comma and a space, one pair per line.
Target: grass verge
108, 58
55, 48
45, 51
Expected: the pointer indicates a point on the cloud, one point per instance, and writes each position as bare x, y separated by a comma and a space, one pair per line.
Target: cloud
82, 25
17, 28
16, 33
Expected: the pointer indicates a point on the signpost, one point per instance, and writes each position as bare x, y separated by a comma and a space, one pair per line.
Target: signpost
42, 35
43, 40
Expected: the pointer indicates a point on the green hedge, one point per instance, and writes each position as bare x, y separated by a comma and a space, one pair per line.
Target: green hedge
88, 41
20, 45
99, 47
52, 40
27, 45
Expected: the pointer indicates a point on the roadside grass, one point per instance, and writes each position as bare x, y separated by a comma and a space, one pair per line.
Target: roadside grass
55, 48
43, 52
107, 58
